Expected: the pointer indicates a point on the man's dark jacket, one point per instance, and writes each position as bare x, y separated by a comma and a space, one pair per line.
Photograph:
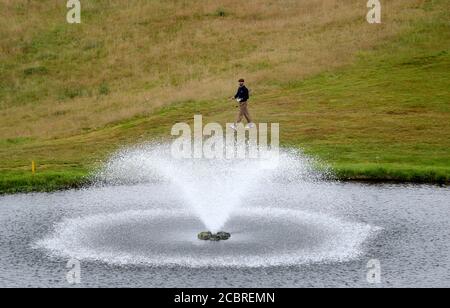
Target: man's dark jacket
243, 94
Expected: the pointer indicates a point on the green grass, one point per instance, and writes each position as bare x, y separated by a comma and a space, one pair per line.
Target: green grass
15, 182
386, 117
393, 172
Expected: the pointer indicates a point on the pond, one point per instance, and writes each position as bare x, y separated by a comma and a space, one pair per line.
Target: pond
296, 234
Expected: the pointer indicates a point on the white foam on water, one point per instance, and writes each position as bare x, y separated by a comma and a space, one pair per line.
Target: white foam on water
303, 238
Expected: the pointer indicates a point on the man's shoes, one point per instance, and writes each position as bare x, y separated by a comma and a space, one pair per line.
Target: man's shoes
250, 126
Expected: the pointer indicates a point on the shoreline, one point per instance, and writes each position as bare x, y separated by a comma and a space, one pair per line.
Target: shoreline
54, 182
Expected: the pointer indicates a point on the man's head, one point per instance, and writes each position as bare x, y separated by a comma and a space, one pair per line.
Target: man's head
241, 82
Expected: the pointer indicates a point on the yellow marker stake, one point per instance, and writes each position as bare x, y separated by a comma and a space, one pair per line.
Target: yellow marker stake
33, 167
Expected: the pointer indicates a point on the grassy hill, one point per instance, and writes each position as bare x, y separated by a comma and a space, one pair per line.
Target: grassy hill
370, 100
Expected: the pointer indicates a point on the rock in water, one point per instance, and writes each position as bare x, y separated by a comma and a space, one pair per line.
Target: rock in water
224, 236
205, 236
208, 236
214, 238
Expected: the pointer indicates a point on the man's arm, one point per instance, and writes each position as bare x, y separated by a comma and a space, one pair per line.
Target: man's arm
246, 95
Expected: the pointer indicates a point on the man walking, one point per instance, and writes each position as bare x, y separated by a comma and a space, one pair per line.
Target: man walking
242, 96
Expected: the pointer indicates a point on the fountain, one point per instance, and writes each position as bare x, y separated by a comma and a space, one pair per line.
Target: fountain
148, 208
212, 188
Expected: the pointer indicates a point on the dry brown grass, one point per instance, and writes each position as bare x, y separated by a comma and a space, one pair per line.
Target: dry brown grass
152, 53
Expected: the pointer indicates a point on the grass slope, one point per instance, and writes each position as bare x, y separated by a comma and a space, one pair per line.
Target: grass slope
383, 114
